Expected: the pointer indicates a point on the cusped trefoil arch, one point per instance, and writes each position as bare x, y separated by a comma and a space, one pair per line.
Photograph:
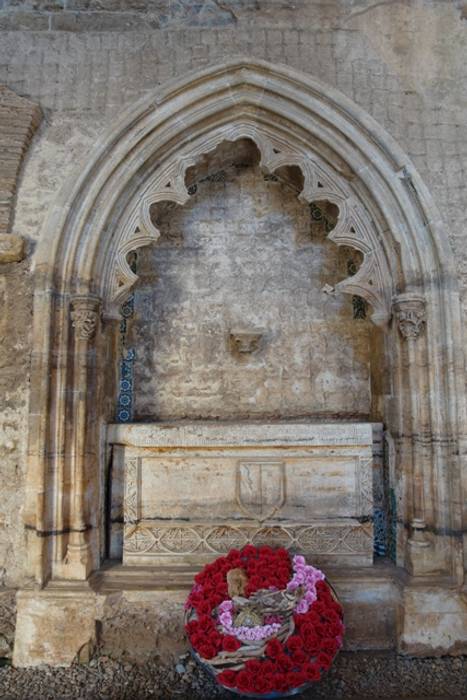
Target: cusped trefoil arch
320, 183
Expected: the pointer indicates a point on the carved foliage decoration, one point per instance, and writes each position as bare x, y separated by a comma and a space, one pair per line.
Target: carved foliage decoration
410, 314
316, 539
353, 228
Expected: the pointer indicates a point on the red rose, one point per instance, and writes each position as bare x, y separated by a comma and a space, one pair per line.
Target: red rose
231, 643
294, 642
228, 678
268, 682
218, 579
296, 679
330, 645
321, 586
281, 682
311, 672
336, 629
194, 599
282, 553
191, 627
312, 617
235, 562
284, 571
324, 660
331, 616
197, 641
253, 665
207, 651
265, 550
245, 682
285, 663
307, 631
215, 600
215, 639
254, 582
260, 684
337, 607
267, 667
319, 607
312, 646
203, 608
321, 629
299, 657
205, 623
249, 551
274, 649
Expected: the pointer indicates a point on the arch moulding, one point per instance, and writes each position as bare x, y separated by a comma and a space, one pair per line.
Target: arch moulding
82, 276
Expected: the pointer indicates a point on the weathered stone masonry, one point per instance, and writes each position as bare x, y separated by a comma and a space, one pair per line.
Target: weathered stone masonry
81, 64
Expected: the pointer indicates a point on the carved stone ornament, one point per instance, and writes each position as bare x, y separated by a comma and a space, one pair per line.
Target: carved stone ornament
354, 226
409, 310
84, 316
246, 342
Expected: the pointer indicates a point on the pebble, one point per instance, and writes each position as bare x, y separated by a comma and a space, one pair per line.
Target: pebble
354, 675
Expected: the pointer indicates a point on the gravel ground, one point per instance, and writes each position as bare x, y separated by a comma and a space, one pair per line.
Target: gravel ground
362, 675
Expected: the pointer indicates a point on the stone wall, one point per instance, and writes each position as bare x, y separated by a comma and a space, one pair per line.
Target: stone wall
243, 256
83, 61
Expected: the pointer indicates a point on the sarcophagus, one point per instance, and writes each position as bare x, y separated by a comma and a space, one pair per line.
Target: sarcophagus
195, 490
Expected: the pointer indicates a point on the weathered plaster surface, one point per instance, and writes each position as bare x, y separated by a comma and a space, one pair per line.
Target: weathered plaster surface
242, 255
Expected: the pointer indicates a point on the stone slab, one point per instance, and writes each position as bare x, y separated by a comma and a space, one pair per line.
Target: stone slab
55, 629
225, 434
194, 491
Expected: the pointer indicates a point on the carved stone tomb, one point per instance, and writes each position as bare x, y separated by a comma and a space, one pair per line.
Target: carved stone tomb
194, 491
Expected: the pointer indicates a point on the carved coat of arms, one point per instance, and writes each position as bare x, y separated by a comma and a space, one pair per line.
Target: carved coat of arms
261, 488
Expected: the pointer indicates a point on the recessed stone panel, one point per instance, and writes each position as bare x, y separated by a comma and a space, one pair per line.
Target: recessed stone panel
193, 491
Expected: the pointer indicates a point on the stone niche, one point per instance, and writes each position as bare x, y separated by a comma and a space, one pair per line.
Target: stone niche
192, 491
230, 320
239, 350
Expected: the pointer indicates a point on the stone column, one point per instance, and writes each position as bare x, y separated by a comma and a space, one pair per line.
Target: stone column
409, 311
84, 317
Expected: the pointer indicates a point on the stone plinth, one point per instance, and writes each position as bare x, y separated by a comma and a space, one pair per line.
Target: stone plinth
194, 490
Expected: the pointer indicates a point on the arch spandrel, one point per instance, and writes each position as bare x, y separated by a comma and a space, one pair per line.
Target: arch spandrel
386, 212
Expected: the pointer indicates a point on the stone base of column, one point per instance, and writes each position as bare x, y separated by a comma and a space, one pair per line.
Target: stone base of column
433, 621
54, 628
77, 564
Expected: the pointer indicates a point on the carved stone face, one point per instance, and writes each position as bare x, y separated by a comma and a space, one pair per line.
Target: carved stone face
246, 342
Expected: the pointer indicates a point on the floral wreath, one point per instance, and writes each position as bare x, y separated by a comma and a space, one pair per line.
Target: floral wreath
263, 622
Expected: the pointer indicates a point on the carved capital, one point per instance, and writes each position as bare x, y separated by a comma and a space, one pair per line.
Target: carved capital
84, 316
409, 310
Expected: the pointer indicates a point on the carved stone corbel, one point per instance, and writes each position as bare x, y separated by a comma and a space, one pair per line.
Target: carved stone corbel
85, 316
409, 311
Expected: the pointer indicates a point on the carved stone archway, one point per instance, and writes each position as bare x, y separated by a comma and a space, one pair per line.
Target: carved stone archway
82, 276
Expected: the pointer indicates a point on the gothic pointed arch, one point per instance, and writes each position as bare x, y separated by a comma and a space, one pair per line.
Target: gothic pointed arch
103, 213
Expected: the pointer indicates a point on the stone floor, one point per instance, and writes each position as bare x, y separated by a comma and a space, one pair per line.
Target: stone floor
356, 675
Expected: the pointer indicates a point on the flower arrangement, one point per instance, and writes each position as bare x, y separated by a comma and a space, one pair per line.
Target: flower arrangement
263, 622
